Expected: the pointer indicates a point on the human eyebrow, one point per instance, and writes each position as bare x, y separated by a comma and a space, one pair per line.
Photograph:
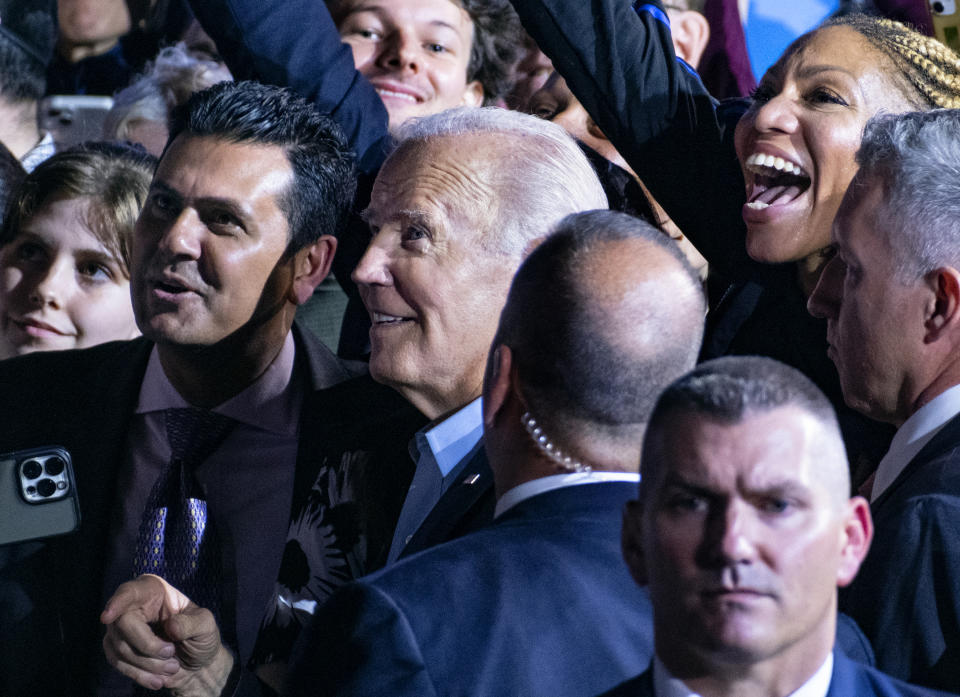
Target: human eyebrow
814, 70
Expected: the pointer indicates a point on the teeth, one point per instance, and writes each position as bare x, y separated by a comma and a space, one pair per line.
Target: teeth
757, 205
401, 95
774, 162
380, 318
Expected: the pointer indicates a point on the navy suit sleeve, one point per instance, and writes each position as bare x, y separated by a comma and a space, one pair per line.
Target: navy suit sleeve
359, 644
906, 597
295, 44
620, 63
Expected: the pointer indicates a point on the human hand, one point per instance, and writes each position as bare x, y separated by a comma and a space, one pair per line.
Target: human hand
159, 638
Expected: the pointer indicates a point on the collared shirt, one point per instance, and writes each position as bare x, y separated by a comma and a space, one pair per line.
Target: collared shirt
665, 685
248, 481
916, 432
441, 453
524, 491
39, 152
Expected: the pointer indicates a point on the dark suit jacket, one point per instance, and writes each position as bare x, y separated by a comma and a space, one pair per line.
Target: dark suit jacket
539, 603
849, 679
906, 597
465, 507
51, 593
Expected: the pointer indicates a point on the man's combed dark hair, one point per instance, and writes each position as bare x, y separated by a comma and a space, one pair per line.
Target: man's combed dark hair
324, 177
22, 75
495, 49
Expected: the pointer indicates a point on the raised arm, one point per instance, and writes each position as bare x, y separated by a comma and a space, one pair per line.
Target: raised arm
294, 43
618, 59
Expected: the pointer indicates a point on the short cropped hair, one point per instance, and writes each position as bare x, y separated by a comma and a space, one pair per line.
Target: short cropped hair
571, 362
731, 389
324, 171
541, 174
915, 157
114, 177
495, 49
26, 47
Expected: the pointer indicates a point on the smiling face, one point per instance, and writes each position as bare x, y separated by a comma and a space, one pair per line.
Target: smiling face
744, 531
797, 142
414, 52
866, 304
433, 293
208, 247
60, 287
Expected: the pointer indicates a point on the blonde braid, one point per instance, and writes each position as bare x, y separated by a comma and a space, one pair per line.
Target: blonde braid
930, 68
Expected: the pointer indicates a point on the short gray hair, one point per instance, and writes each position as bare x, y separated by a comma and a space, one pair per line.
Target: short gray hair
916, 158
540, 178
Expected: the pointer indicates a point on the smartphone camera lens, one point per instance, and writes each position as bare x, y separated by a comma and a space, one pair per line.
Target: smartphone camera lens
54, 466
46, 487
32, 469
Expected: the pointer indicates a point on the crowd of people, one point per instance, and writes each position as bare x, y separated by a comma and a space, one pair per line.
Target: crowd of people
635, 391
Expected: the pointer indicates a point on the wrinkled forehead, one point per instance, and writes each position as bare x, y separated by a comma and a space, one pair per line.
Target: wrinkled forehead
451, 175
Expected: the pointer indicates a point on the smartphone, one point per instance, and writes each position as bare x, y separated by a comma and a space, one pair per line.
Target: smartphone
38, 494
73, 119
946, 22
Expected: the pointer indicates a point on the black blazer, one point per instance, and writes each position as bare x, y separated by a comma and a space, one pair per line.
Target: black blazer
906, 597
51, 592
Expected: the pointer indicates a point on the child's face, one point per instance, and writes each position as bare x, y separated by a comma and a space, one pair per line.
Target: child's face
60, 288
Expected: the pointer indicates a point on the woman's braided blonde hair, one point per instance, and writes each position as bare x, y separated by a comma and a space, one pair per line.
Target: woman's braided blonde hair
926, 65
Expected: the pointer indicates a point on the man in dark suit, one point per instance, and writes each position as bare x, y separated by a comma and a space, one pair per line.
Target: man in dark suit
742, 532
237, 230
539, 603
891, 297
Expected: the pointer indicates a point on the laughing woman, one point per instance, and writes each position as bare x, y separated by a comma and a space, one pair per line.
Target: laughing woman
755, 185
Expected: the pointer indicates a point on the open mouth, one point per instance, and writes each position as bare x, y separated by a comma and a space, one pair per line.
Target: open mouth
391, 94
776, 181
381, 319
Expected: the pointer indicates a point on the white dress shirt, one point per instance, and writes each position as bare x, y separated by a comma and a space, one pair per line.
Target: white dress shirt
915, 433
665, 685
527, 490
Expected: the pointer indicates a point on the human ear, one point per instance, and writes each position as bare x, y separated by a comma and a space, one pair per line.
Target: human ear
691, 32
631, 542
943, 313
857, 535
472, 94
311, 265
498, 385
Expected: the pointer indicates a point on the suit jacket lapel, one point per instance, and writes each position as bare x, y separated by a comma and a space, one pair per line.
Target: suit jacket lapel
466, 506
947, 437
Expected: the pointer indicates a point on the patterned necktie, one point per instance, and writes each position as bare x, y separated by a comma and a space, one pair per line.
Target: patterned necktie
176, 540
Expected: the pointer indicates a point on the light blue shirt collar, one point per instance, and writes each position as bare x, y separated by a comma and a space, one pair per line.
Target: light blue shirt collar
453, 438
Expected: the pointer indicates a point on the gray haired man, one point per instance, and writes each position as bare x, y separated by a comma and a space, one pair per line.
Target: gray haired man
891, 298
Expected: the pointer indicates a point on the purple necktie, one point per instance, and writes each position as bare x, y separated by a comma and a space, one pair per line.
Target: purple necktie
176, 540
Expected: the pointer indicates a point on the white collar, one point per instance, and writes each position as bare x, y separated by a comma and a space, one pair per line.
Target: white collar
916, 432
524, 491
665, 685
